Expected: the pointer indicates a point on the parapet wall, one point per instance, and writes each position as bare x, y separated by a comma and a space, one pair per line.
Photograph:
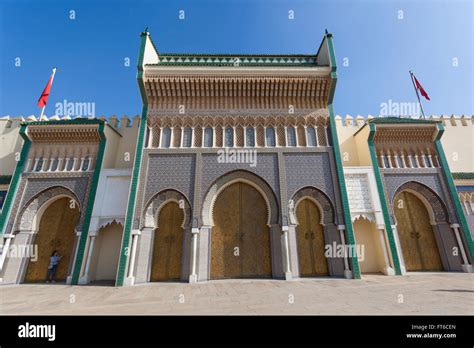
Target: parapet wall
457, 140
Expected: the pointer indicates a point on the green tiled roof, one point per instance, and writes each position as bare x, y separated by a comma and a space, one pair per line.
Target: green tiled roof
298, 60
463, 175
65, 122
390, 119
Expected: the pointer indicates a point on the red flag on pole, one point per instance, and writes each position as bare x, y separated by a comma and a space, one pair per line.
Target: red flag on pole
421, 89
44, 96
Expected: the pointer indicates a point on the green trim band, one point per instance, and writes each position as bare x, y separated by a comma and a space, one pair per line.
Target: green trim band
77, 120
452, 189
15, 182
124, 253
337, 156
463, 175
343, 193
383, 201
131, 202
403, 120
90, 205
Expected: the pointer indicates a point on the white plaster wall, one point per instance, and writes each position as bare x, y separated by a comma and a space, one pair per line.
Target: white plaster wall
112, 197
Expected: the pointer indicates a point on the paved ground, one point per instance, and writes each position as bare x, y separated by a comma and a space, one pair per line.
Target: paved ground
419, 293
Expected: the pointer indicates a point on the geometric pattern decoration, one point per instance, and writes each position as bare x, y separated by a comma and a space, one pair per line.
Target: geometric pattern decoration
32, 207
154, 207
438, 207
327, 214
231, 60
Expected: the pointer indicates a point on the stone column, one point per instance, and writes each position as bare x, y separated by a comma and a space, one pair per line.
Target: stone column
5, 249
388, 270
85, 279
466, 267
89, 165
76, 244
144, 257
193, 278
399, 250
51, 161
347, 271
66, 165
60, 163
14, 271
402, 156
286, 248
131, 266
74, 164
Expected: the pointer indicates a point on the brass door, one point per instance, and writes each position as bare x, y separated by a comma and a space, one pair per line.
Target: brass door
310, 239
417, 239
240, 242
168, 244
56, 232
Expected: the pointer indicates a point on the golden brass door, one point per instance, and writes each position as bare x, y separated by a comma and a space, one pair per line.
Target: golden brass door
168, 244
310, 239
417, 239
240, 242
56, 232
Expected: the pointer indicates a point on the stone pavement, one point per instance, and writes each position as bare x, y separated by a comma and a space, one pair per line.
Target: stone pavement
415, 293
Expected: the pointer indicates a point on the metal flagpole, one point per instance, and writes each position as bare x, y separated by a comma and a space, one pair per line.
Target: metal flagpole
417, 95
52, 79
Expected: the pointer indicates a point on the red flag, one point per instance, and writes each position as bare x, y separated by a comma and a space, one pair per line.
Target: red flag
44, 96
420, 87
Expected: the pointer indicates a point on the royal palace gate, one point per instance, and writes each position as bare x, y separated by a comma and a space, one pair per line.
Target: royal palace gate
231, 154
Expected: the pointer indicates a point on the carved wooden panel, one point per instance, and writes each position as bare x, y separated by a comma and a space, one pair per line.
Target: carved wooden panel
301, 132
240, 246
310, 239
168, 244
219, 133
322, 141
417, 239
56, 232
197, 136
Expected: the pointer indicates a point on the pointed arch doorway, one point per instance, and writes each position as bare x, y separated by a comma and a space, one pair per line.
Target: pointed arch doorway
240, 242
417, 239
310, 240
56, 232
168, 244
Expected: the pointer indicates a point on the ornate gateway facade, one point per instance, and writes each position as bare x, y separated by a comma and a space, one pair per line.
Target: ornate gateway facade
236, 168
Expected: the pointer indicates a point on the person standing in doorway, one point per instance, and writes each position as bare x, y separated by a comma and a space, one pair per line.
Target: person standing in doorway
53, 265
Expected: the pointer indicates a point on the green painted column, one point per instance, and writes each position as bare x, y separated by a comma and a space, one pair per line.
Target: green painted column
383, 201
125, 248
350, 239
452, 190
90, 206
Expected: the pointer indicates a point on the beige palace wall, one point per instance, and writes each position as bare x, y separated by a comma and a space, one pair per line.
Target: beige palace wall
457, 141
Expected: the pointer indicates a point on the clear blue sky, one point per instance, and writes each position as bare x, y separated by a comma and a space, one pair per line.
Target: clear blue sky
90, 50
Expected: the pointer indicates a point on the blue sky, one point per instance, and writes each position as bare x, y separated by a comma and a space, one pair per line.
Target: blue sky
90, 51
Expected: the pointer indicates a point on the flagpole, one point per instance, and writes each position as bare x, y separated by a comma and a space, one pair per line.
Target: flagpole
52, 79
417, 95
